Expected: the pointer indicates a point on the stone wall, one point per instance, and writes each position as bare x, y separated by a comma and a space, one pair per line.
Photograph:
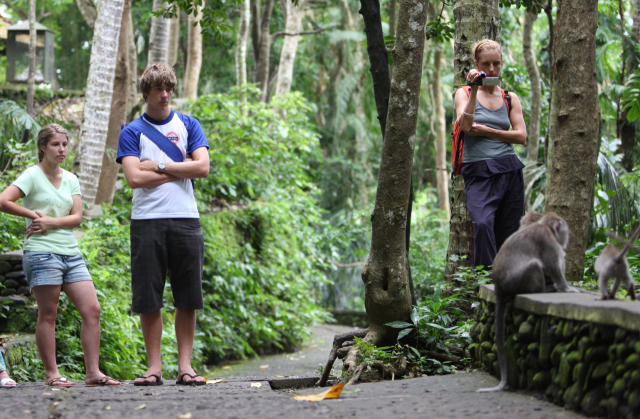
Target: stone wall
582, 353
12, 276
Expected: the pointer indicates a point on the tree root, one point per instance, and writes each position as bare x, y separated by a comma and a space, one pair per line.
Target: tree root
382, 369
338, 341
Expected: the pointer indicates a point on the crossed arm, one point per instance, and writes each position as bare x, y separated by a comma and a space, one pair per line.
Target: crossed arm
41, 223
143, 174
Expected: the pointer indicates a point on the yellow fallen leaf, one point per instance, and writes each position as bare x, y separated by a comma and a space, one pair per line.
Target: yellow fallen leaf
256, 384
226, 367
47, 394
142, 406
185, 416
332, 393
106, 408
56, 389
264, 366
214, 381
280, 376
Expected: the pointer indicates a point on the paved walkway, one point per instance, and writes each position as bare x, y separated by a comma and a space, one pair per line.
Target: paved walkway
246, 393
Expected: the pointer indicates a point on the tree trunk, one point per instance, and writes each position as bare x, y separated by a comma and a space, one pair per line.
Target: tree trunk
386, 274
440, 135
132, 90
551, 118
174, 41
241, 44
88, 12
109, 173
261, 73
393, 5
158, 37
293, 24
255, 30
578, 118
31, 83
533, 129
194, 60
474, 20
95, 121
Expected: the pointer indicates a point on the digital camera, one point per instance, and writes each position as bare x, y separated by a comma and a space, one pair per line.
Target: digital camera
483, 80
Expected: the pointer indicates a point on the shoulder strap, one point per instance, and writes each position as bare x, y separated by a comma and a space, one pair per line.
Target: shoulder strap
467, 89
158, 139
507, 100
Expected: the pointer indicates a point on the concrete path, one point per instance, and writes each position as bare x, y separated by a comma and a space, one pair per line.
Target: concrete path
246, 393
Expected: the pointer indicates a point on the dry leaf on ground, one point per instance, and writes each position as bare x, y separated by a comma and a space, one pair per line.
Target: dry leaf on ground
214, 381
185, 416
256, 384
142, 406
332, 393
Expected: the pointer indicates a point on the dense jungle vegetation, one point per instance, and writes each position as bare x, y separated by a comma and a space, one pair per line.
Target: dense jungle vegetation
286, 208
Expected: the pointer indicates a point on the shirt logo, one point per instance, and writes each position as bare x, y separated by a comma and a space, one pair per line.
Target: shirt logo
173, 137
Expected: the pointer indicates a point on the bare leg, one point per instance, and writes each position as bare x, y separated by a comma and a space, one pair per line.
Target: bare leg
83, 295
152, 333
185, 332
47, 299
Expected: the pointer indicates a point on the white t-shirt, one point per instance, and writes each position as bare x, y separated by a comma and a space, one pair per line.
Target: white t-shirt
173, 199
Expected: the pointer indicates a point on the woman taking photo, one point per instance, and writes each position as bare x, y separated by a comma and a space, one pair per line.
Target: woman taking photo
52, 260
494, 184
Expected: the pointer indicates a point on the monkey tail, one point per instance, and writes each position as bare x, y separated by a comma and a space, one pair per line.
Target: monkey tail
501, 303
627, 246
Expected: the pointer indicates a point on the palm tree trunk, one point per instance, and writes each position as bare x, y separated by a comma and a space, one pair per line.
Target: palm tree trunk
95, 121
158, 37
174, 40
109, 173
194, 60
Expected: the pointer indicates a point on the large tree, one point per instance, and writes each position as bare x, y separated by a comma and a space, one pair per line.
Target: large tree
293, 25
95, 121
572, 170
158, 36
474, 20
194, 57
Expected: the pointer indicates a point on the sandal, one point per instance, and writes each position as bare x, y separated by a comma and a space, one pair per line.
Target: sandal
7, 383
64, 382
158, 381
103, 382
193, 382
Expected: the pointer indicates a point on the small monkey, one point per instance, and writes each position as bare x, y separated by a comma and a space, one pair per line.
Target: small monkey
612, 263
530, 218
536, 249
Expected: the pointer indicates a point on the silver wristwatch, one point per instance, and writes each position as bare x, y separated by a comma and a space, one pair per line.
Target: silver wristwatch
161, 167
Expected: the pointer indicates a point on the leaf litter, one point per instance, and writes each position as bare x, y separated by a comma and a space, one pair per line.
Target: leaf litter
332, 393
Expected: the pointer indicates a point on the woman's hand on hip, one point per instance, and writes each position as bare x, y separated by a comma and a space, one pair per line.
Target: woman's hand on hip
40, 225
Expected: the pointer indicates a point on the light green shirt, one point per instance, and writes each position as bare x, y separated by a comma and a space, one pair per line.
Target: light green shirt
41, 195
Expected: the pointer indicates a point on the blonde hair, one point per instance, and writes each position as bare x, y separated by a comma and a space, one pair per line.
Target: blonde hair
45, 134
485, 45
155, 75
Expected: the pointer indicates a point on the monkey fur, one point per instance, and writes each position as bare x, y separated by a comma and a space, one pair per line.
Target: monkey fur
612, 263
535, 250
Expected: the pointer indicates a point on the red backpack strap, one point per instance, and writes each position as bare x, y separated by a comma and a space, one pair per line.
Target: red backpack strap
467, 89
507, 101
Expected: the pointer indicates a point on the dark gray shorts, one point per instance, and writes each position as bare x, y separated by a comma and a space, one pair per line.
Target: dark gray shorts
173, 244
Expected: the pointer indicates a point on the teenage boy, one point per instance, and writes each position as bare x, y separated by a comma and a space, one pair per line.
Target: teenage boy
160, 153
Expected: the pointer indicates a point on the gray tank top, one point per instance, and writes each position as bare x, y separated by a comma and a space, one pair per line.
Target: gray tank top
484, 148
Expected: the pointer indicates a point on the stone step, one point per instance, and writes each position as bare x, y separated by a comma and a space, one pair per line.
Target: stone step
17, 346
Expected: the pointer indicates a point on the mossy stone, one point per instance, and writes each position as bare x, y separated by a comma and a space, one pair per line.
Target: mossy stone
8, 291
5, 267
568, 331
537, 329
622, 350
512, 350
595, 354
620, 369
559, 331
542, 380
611, 406
572, 397
525, 332
601, 334
634, 378
590, 404
637, 347
11, 283
619, 387
556, 354
601, 371
565, 371
534, 347
491, 358
548, 342
494, 348
583, 345
552, 391
530, 383
519, 319
620, 334
580, 371
632, 360
486, 346
475, 331
573, 357
634, 399
2, 278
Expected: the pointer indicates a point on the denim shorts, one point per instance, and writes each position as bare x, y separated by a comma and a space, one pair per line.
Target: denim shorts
52, 269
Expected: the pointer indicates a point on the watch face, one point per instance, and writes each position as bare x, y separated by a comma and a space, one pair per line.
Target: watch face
161, 166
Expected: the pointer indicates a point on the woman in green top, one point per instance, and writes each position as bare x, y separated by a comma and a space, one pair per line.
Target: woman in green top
52, 260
